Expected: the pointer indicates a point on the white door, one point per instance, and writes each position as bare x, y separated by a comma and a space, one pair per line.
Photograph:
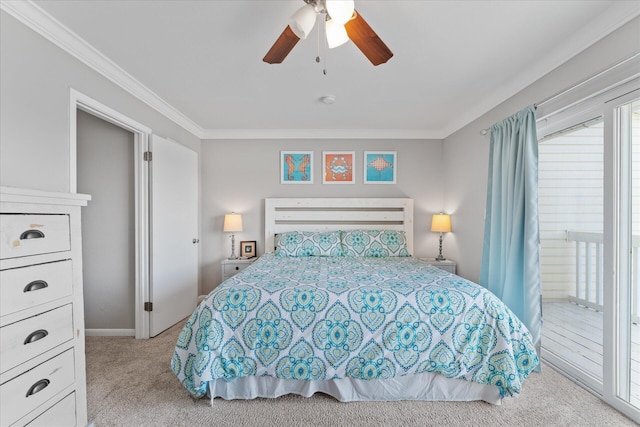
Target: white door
174, 233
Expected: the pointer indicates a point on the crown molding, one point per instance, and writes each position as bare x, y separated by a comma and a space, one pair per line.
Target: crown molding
619, 14
53, 30
322, 134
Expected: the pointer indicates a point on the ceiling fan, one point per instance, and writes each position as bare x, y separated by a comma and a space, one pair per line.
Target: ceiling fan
342, 23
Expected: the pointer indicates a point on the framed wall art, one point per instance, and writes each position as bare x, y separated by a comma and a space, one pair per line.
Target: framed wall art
296, 167
380, 167
338, 167
248, 249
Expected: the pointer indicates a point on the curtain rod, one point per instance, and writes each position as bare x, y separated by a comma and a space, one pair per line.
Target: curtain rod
577, 85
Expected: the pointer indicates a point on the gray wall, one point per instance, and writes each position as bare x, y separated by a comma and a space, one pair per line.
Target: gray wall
35, 79
106, 171
466, 152
238, 175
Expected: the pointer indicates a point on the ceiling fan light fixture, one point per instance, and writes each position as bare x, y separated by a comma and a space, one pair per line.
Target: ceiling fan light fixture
355, 29
336, 34
303, 20
340, 10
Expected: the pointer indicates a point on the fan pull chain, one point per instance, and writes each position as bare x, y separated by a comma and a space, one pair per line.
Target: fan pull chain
324, 69
318, 40
325, 46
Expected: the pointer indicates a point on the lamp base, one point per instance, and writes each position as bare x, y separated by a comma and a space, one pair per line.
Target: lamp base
440, 257
233, 248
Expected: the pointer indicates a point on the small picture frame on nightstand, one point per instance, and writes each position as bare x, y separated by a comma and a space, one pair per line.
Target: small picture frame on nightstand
248, 249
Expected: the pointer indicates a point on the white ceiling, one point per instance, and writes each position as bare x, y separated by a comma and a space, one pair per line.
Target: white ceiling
453, 60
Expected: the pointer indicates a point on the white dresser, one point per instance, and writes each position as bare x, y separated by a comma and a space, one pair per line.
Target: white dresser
42, 353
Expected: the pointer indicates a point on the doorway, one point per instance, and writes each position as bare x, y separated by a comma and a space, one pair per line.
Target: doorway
80, 102
589, 202
105, 165
150, 184
571, 200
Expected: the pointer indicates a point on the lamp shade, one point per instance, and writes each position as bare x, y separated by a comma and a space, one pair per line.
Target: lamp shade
232, 222
336, 34
303, 20
441, 223
340, 11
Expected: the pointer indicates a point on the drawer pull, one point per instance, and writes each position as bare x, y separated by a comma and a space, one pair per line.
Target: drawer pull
38, 387
36, 285
32, 234
35, 336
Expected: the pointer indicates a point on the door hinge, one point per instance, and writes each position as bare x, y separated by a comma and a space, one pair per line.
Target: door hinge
148, 306
148, 156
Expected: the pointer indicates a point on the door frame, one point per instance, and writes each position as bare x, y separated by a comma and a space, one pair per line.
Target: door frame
616, 266
141, 136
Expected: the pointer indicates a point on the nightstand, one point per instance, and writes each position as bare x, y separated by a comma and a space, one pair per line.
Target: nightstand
446, 265
231, 267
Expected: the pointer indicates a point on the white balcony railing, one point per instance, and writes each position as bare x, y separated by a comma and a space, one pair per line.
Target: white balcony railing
589, 266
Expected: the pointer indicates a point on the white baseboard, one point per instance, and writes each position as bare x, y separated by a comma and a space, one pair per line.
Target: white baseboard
110, 332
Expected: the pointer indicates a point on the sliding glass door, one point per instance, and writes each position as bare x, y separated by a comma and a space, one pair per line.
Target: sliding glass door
570, 196
625, 383
589, 202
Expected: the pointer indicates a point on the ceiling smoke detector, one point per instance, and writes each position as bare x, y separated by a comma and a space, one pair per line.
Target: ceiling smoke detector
328, 99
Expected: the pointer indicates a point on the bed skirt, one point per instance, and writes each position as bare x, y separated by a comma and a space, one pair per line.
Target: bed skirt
425, 387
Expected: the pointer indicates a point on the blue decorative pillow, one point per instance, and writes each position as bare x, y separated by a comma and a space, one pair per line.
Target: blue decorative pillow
308, 243
374, 243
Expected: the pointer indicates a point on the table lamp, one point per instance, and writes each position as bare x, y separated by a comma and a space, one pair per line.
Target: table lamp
441, 223
232, 223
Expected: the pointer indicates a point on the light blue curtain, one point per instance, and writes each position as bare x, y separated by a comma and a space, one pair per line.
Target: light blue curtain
510, 253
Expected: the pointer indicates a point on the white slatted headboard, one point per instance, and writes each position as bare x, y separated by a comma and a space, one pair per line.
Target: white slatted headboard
282, 215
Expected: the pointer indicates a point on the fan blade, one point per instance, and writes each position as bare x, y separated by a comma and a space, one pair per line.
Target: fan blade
281, 47
367, 40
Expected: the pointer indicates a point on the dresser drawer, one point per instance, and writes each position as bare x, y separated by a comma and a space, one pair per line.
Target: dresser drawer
30, 286
28, 234
61, 414
23, 340
33, 388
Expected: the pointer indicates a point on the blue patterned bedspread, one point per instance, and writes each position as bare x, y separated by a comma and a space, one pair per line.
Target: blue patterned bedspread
316, 318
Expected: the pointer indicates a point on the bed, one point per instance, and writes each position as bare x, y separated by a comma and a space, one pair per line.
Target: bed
340, 306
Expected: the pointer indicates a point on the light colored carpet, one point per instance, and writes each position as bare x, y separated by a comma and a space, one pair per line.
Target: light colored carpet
130, 383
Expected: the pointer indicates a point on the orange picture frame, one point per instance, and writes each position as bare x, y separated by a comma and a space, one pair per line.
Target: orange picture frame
338, 167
